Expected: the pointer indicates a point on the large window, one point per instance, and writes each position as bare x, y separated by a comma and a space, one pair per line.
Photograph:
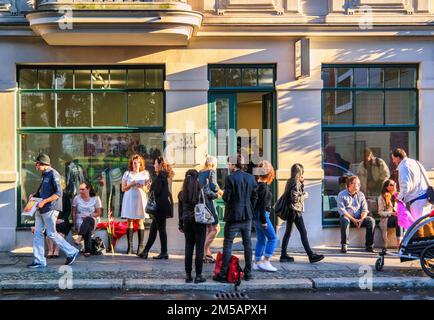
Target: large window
93, 118
366, 109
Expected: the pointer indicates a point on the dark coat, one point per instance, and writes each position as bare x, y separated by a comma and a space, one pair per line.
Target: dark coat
263, 203
240, 196
163, 197
185, 211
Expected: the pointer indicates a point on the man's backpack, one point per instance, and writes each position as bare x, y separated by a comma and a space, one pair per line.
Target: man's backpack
97, 246
235, 273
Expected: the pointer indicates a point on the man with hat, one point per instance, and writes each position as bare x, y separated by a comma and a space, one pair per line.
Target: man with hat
50, 192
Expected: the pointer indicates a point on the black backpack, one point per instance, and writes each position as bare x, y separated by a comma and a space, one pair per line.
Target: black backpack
97, 246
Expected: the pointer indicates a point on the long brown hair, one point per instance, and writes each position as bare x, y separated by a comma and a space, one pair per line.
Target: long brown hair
384, 192
165, 167
141, 159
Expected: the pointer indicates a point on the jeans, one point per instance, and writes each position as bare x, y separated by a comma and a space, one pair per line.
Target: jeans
266, 239
297, 219
368, 223
47, 222
195, 234
158, 224
86, 230
230, 232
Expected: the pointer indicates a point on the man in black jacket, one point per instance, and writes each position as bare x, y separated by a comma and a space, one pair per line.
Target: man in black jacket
240, 195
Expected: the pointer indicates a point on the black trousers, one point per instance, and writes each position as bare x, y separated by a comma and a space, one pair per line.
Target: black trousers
231, 231
86, 230
158, 225
195, 234
297, 219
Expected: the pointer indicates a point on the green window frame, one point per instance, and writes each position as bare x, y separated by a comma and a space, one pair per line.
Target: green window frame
376, 82
153, 82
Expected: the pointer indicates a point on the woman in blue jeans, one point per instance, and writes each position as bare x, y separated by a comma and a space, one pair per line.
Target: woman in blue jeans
266, 238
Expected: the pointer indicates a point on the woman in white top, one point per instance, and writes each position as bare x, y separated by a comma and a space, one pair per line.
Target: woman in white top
387, 209
135, 185
86, 208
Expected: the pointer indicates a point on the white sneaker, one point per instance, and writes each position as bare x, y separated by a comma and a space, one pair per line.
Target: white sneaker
255, 266
267, 266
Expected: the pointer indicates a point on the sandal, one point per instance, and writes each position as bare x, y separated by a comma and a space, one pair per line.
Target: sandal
209, 259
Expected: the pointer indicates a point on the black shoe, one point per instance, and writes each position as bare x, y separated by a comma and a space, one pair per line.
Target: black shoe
316, 258
70, 260
199, 279
248, 277
140, 236
344, 248
161, 256
286, 258
219, 278
370, 249
188, 279
144, 255
35, 265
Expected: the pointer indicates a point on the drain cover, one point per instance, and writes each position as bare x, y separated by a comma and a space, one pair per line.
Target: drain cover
231, 296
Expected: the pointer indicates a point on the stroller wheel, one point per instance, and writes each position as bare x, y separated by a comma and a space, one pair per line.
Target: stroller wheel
379, 264
427, 260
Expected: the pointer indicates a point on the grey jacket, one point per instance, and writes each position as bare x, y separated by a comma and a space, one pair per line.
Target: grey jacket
296, 195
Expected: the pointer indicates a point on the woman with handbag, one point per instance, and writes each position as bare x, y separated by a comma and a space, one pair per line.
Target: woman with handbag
208, 181
294, 190
135, 183
160, 191
194, 232
387, 209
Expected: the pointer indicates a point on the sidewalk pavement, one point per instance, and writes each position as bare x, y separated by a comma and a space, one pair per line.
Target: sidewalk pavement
128, 272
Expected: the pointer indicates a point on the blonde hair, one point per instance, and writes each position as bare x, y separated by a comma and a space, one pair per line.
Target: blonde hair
210, 161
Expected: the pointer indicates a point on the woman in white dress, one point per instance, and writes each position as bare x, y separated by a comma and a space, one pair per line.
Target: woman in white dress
135, 185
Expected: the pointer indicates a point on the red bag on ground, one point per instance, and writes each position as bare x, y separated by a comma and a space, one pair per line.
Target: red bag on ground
235, 273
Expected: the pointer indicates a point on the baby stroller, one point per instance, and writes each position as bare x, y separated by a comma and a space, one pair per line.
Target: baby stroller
418, 243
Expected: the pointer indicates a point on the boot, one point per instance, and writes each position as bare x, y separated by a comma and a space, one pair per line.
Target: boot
130, 233
140, 236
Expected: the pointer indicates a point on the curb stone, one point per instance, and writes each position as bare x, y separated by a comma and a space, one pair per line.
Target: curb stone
377, 283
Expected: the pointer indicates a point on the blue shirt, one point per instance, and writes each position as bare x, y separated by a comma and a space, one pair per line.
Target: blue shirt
50, 185
353, 204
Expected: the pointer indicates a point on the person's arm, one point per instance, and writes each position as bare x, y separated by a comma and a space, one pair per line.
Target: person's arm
125, 186
180, 213
364, 208
260, 205
385, 172
403, 177
213, 185
228, 190
98, 208
342, 210
74, 217
254, 194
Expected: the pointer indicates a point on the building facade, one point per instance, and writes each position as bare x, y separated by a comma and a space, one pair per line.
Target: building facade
315, 81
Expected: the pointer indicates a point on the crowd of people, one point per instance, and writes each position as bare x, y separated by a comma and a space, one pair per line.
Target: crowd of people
248, 205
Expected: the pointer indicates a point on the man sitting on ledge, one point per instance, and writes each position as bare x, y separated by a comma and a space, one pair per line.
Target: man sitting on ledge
353, 208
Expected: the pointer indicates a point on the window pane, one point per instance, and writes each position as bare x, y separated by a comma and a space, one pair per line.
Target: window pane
82, 79
154, 78
145, 109
102, 157
46, 78
217, 77
118, 79
343, 154
408, 78
73, 110
64, 79
28, 79
344, 78
361, 77
401, 107
265, 76
100, 79
328, 77
233, 77
109, 109
136, 78
37, 109
250, 77
391, 77
369, 107
337, 107
375, 77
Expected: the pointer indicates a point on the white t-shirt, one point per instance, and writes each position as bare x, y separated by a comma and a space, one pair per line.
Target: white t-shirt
85, 208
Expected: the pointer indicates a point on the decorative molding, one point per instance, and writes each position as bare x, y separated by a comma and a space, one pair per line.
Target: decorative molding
8, 6
380, 6
250, 6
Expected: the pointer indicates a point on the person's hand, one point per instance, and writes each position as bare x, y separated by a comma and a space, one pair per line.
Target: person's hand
306, 195
220, 192
59, 221
181, 229
265, 226
41, 204
132, 185
31, 195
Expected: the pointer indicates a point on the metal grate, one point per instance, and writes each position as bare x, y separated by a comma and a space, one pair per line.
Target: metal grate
231, 296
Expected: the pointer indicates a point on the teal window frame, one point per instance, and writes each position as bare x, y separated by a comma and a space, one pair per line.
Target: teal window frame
331, 223
86, 130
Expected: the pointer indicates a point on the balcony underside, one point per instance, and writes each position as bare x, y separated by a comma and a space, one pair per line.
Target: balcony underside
115, 25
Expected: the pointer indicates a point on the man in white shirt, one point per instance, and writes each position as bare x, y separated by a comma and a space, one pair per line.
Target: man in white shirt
412, 183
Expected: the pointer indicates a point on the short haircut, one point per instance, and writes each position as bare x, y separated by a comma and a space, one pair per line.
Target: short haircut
351, 179
237, 160
399, 153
